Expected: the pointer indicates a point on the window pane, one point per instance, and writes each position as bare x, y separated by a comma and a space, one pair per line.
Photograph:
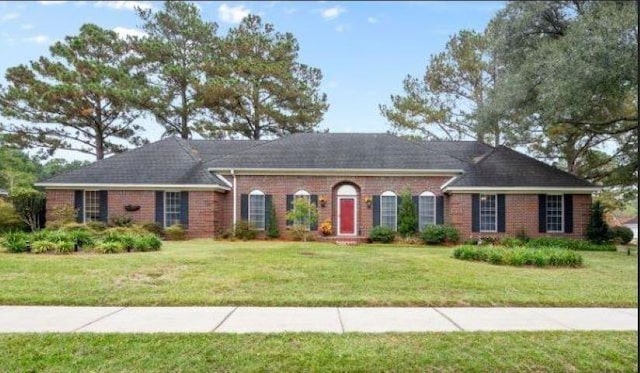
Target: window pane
256, 211
554, 213
426, 211
171, 208
488, 213
388, 211
91, 206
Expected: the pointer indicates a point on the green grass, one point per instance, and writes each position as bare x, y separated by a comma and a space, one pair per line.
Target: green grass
453, 352
268, 273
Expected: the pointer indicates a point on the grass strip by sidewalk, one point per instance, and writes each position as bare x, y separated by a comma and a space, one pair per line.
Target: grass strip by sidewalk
451, 352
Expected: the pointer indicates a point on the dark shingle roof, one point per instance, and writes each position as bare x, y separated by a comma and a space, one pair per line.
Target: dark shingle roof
504, 167
175, 161
340, 151
168, 161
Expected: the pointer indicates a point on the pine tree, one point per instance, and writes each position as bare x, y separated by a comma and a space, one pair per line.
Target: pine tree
598, 229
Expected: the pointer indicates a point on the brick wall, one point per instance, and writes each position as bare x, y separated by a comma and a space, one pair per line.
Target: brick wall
521, 214
368, 186
203, 214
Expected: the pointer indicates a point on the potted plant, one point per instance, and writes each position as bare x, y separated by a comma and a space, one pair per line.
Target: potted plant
326, 227
132, 207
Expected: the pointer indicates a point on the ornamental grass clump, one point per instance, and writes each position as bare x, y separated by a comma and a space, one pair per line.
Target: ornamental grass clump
520, 256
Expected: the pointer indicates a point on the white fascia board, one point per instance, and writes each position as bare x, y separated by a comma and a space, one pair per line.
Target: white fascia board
224, 180
132, 186
522, 190
334, 171
448, 182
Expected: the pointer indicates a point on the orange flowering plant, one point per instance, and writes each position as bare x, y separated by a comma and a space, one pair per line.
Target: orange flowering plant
326, 227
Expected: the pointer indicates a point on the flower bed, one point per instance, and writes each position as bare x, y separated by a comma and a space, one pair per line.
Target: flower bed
520, 256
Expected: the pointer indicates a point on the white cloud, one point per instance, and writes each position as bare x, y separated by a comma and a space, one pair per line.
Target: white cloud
126, 5
9, 17
372, 20
26, 26
38, 39
123, 32
232, 14
51, 2
332, 13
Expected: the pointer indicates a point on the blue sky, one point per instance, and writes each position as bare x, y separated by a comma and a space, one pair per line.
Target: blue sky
364, 49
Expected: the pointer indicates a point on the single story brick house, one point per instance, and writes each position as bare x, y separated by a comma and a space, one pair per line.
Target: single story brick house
353, 179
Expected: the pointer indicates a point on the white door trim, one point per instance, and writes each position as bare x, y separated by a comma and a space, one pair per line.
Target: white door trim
355, 215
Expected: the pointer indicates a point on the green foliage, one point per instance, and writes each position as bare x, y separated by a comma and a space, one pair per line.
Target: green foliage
622, 234
109, 247
82, 237
511, 241
97, 226
303, 213
382, 234
15, 242
569, 244
43, 247
177, 46
81, 98
258, 88
272, 227
148, 242
121, 221
61, 215
522, 235
244, 231
29, 204
175, 233
9, 218
597, 229
155, 228
519, 256
407, 215
442, 104
439, 234
300, 233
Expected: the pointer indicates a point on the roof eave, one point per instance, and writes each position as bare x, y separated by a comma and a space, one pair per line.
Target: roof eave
336, 171
131, 186
521, 189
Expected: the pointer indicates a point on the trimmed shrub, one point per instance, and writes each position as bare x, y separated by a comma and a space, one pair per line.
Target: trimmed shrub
382, 235
155, 228
97, 226
112, 247
568, 243
622, 234
175, 233
511, 242
43, 247
121, 221
519, 256
451, 234
272, 227
439, 234
598, 229
244, 231
9, 218
15, 242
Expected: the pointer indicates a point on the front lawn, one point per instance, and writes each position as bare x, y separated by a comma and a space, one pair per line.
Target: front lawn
265, 273
434, 352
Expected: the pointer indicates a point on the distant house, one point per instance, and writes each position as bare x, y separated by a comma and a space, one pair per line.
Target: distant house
633, 225
354, 179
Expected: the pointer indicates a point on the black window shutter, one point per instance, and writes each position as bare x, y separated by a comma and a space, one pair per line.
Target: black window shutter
440, 210
78, 205
184, 209
289, 207
475, 212
104, 206
244, 207
314, 201
542, 213
267, 210
375, 202
160, 207
501, 213
568, 213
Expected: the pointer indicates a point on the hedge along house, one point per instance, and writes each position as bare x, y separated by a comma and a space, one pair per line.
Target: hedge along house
355, 181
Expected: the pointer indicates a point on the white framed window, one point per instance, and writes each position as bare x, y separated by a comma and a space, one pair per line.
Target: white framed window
488, 213
426, 209
306, 196
257, 209
91, 205
389, 210
172, 201
555, 213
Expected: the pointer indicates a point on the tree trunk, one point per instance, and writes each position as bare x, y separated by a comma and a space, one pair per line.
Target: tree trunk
184, 124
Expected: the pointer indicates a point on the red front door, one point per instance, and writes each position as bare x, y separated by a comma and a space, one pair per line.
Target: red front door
347, 216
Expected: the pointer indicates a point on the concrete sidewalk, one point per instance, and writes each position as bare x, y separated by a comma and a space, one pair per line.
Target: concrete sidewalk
23, 319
